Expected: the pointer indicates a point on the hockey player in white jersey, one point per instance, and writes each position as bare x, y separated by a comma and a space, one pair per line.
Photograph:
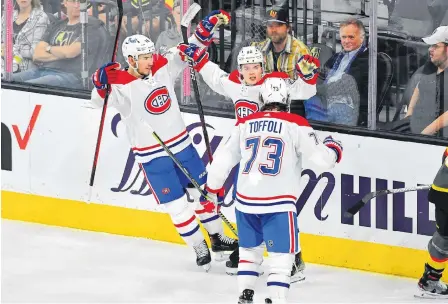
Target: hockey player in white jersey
243, 87
269, 145
145, 98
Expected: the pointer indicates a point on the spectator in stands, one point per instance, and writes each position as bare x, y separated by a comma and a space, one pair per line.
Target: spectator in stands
29, 25
58, 55
170, 37
428, 108
157, 19
343, 95
281, 49
101, 9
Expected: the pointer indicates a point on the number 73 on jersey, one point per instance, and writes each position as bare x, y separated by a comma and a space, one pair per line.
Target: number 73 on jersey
273, 163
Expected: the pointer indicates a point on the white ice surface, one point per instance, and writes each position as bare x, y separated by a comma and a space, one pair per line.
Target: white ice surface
58, 265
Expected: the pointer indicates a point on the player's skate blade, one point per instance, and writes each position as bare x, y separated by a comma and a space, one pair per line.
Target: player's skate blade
430, 285
433, 292
246, 297
429, 295
222, 245
298, 268
203, 257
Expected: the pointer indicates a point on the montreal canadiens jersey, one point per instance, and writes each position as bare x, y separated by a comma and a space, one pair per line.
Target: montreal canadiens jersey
244, 97
269, 146
150, 104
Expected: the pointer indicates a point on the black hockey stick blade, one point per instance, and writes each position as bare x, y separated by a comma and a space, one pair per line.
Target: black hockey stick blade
106, 98
356, 207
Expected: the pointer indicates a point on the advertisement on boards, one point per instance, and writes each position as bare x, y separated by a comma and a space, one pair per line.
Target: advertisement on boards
48, 143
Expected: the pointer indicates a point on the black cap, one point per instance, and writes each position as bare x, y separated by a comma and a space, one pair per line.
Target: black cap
278, 14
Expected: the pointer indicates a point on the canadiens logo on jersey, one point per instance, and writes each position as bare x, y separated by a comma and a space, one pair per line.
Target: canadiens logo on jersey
158, 101
244, 108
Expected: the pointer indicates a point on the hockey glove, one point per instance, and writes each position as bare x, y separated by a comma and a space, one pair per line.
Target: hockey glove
105, 75
109, 73
334, 145
194, 53
307, 68
212, 203
205, 28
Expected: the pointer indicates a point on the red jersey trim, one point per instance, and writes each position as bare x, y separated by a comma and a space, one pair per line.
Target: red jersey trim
159, 62
235, 77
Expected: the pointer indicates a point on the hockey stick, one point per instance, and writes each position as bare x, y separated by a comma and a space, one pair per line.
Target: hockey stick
184, 23
106, 98
192, 180
356, 207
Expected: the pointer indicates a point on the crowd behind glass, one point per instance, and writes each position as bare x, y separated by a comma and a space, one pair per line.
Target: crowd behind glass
412, 57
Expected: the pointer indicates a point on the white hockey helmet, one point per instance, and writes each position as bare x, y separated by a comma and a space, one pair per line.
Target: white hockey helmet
136, 45
249, 54
274, 90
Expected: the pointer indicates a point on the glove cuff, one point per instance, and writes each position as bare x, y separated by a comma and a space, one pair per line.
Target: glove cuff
337, 149
219, 191
198, 67
101, 92
205, 41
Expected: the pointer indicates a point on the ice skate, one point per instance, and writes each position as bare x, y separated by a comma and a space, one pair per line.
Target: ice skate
222, 245
267, 301
232, 263
298, 267
246, 297
430, 286
203, 256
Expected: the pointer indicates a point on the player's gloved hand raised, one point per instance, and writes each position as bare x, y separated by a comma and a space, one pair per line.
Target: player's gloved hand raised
335, 145
307, 68
109, 73
192, 52
205, 28
212, 203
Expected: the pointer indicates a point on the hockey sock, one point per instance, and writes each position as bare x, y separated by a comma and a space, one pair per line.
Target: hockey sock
279, 276
248, 267
184, 220
435, 263
211, 221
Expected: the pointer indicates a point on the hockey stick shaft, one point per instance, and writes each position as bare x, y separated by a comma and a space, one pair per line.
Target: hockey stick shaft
356, 207
184, 29
106, 98
192, 180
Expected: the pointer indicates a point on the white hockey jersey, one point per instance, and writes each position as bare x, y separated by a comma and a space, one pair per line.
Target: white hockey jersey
150, 104
244, 97
269, 147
